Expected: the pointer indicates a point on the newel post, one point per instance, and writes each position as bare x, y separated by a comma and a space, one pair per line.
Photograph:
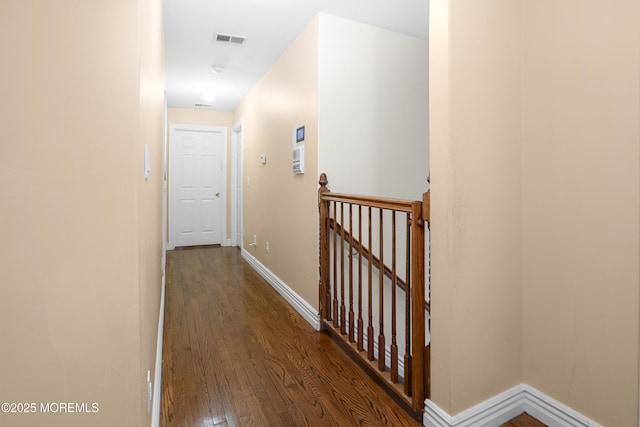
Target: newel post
324, 299
418, 309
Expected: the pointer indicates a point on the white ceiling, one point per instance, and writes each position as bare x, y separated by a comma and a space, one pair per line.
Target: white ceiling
269, 27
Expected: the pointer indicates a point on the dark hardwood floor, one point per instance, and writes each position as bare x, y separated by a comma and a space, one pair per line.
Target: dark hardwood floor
524, 420
236, 354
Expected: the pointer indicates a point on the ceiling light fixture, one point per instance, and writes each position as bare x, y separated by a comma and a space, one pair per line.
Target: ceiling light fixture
209, 95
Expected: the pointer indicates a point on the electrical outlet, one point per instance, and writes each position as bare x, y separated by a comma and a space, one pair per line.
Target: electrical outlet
254, 242
267, 247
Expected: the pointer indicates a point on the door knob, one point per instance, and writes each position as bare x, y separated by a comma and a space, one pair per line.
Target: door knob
217, 194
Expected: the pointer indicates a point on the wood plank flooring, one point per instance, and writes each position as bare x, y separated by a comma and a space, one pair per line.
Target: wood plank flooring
236, 354
524, 420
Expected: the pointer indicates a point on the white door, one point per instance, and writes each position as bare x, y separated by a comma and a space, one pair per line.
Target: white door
197, 185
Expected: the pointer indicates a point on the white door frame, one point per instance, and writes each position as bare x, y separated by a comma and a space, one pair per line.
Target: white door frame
173, 128
237, 144
165, 153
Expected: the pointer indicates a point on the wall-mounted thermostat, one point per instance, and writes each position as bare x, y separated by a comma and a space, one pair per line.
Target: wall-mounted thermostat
298, 159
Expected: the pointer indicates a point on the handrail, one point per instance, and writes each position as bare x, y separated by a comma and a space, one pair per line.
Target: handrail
400, 205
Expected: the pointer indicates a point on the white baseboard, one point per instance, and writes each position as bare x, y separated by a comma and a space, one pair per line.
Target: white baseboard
157, 376
551, 412
300, 305
505, 406
490, 413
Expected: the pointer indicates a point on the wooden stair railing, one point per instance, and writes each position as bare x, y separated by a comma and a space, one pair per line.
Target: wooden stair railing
342, 297
374, 259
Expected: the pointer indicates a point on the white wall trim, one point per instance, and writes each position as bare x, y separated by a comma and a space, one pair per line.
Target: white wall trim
300, 305
491, 413
551, 412
157, 376
505, 406
236, 181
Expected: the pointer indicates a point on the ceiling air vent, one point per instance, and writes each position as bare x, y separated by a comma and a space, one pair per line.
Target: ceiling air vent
228, 38
202, 105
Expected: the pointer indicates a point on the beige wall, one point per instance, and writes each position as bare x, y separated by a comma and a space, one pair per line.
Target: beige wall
373, 109
149, 216
205, 118
71, 322
476, 201
581, 151
535, 185
280, 207
199, 117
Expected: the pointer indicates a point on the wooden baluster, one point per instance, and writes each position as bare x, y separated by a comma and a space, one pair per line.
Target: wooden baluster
407, 313
351, 313
360, 321
381, 343
370, 332
323, 265
417, 306
343, 309
394, 344
426, 216
336, 319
